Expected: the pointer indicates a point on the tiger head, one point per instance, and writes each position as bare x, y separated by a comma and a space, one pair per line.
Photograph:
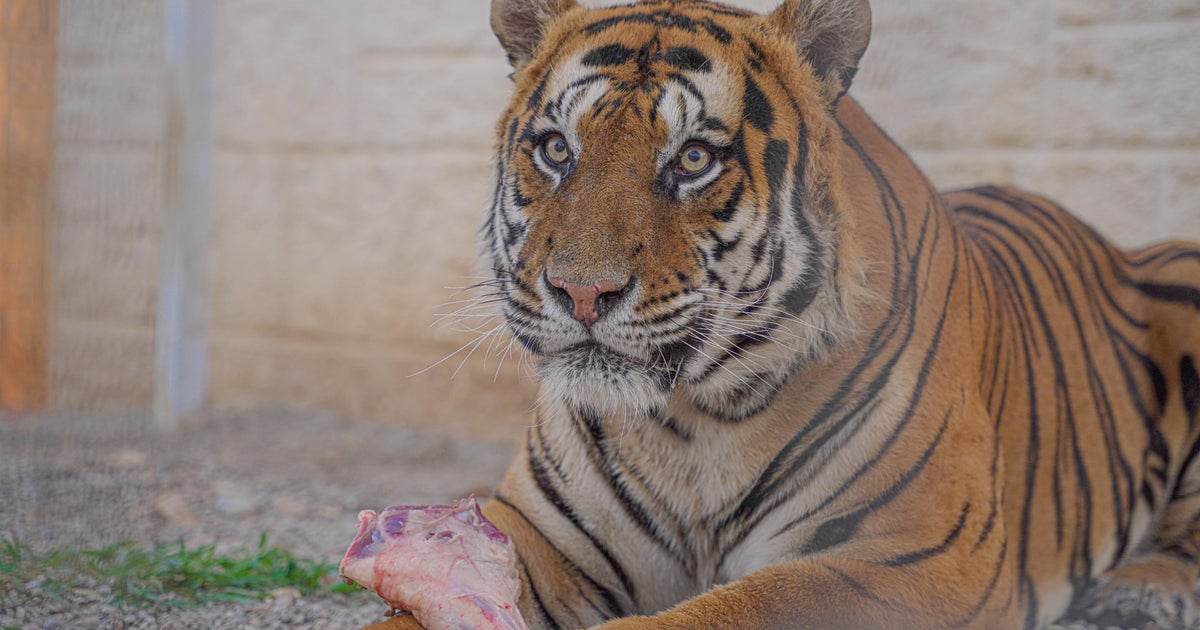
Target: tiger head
666, 219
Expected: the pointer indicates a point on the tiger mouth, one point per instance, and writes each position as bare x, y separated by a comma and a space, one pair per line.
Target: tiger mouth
595, 357
594, 354
648, 354
606, 381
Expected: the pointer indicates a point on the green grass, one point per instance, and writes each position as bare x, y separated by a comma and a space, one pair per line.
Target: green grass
171, 576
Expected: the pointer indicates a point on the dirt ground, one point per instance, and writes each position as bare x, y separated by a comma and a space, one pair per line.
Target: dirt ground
89, 480
84, 481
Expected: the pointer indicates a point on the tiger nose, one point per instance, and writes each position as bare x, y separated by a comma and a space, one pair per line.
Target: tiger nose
592, 301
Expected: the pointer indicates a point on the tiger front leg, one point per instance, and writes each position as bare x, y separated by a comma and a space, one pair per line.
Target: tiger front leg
1155, 587
554, 592
1159, 584
841, 593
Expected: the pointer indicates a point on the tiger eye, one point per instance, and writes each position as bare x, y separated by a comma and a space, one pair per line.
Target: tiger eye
556, 150
694, 160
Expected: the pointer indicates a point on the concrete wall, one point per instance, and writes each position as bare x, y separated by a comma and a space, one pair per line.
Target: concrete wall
110, 127
1091, 102
353, 141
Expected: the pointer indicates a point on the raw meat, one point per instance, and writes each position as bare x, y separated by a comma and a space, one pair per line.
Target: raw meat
446, 564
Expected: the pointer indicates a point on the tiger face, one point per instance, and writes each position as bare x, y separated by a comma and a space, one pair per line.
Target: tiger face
665, 220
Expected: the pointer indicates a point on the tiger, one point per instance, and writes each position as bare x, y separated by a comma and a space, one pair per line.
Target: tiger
785, 382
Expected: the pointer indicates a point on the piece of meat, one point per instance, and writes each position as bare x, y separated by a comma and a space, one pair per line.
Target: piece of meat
446, 564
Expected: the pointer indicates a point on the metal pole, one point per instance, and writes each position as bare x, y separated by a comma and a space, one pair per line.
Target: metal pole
181, 348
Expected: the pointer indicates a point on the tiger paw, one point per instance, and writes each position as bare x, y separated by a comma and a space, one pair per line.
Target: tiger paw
1155, 589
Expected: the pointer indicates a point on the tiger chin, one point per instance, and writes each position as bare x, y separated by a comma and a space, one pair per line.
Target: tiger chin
600, 382
786, 383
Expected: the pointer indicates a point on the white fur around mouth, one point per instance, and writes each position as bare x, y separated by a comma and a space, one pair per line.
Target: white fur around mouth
602, 381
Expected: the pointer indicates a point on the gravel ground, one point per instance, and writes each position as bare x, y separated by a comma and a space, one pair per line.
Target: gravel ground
301, 477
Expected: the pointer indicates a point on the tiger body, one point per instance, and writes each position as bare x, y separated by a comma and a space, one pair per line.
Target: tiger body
825, 395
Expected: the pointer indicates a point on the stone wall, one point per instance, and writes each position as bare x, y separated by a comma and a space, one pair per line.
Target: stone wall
352, 154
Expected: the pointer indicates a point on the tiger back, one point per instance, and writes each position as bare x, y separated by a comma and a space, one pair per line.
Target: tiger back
785, 383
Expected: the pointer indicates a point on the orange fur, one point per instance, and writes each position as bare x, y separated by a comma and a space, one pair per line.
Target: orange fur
891, 407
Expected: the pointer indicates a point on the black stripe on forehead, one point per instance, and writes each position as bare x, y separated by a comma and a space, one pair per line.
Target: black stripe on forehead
704, 5
555, 106
688, 59
610, 55
662, 19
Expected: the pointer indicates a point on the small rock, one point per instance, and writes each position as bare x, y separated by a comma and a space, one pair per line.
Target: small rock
52, 624
337, 510
288, 506
330, 459
173, 507
128, 459
284, 599
351, 444
200, 539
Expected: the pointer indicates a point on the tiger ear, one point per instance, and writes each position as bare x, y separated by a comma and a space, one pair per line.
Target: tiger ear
831, 34
520, 25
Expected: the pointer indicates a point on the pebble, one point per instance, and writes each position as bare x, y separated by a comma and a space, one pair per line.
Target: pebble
129, 459
287, 506
173, 507
233, 499
283, 598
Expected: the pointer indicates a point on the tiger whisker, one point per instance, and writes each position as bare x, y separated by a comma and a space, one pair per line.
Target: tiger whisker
727, 327
504, 355
466, 315
447, 357
475, 347
488, 296
719, 364
729, 353
771, 311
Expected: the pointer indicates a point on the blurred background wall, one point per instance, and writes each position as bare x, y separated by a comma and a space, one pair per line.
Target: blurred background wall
351, 158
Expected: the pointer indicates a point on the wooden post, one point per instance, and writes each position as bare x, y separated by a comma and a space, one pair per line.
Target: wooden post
27, 60
181, 347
